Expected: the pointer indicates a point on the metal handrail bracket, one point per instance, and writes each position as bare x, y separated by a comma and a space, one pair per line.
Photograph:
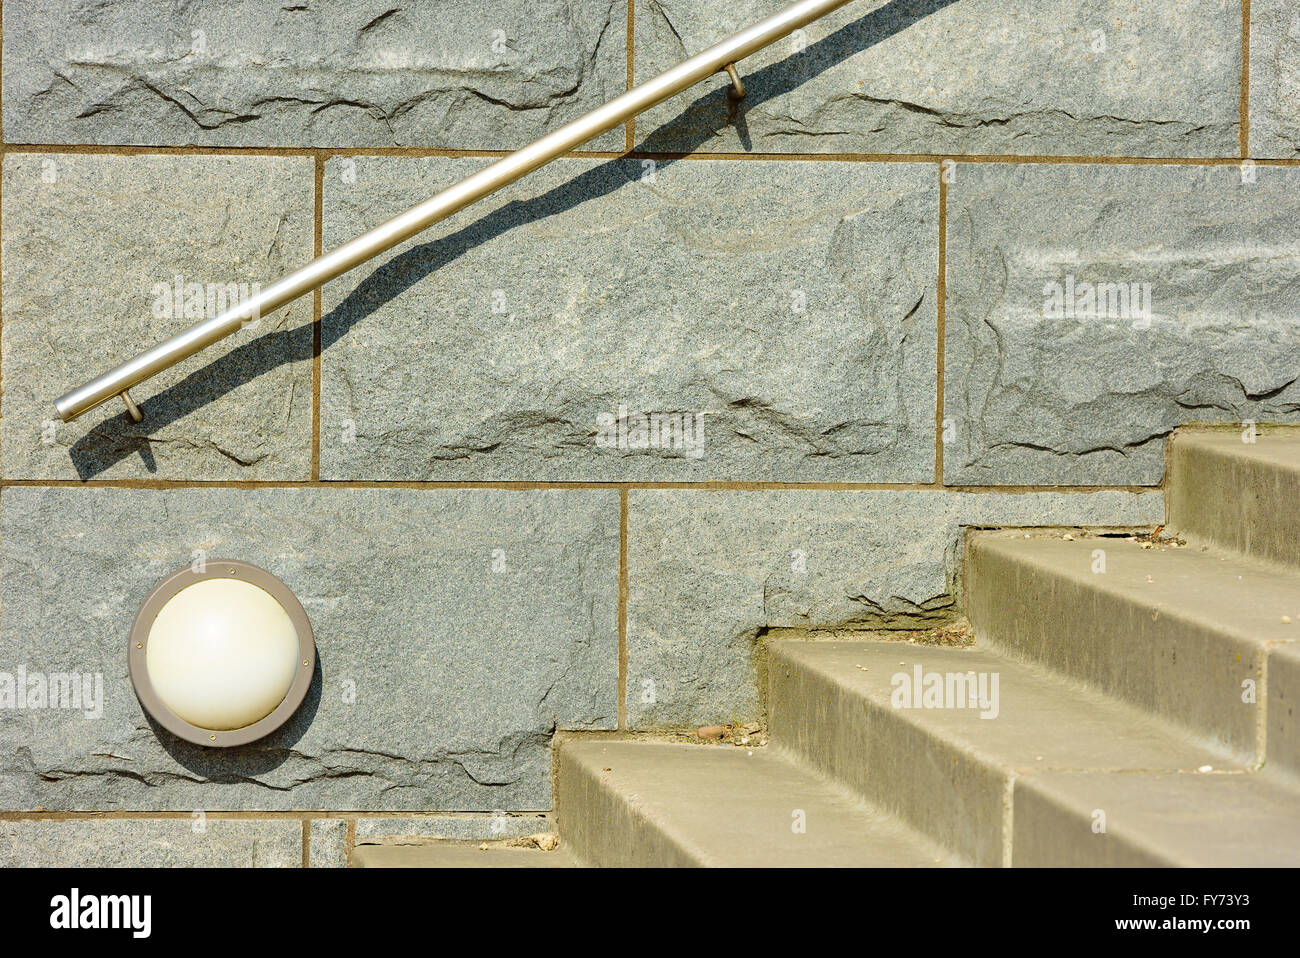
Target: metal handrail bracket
718, 58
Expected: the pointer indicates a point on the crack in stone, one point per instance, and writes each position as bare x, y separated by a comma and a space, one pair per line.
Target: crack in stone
1123, 448
539, 88
205, 444
380, 19
227, 116
658, 10
1033, 121
338, 763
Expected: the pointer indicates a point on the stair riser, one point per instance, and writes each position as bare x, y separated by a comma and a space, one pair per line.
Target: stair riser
1144, 819
1282, 747
602, 830
627, 803
939, 789
1048, 834
1245, 505
1180, 670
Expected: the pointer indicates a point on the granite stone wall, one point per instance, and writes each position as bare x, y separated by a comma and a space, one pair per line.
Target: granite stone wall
557, 463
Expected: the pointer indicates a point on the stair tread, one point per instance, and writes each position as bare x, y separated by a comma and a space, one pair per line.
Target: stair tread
734, 807
1238, 496
1278, 447
1242, 599
1043, 720
1208, 820
457, 855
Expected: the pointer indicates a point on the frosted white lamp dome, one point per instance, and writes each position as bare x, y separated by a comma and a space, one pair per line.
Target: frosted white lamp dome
221, 656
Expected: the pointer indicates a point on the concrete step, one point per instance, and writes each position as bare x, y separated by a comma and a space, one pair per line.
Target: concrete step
1282, 710
1035, 773
1157, 818
630, 803
1179, 632
948, 770
458, 855
1235, 495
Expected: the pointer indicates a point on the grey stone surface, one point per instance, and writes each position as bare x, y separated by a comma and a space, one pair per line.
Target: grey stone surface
488, 75
151, 843
1274, 78
396, 831
709, 570
93, 246
1089, 396
439, 681
792, 305
450, 855
1062, 77
328, 843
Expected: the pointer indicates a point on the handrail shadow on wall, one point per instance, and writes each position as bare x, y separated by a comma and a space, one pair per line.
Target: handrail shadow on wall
114, 439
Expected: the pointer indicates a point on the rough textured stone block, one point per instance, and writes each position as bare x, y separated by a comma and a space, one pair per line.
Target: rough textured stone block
397, 831
1063, 77
791, 305
709, 571
1044, 384
1274, 78
439, 682
494, 74
151, 843
328, 843
97, 252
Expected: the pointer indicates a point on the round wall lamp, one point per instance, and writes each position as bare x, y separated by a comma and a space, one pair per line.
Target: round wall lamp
223, 656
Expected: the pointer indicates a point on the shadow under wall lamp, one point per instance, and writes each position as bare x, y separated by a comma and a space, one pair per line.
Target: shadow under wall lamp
222, 656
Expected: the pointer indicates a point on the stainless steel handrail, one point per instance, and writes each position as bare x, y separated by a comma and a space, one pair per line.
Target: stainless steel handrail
717, 58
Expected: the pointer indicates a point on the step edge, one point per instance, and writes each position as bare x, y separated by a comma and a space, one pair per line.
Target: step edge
994, 763
1105, 587
832, 789
697, 857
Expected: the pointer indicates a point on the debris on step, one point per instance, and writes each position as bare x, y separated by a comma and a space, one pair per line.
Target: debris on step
948, 631
1157, 538
542, 841
736, 733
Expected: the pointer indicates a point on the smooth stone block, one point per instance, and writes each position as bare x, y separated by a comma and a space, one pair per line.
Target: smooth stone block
430, 828
328, 843
151, 843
